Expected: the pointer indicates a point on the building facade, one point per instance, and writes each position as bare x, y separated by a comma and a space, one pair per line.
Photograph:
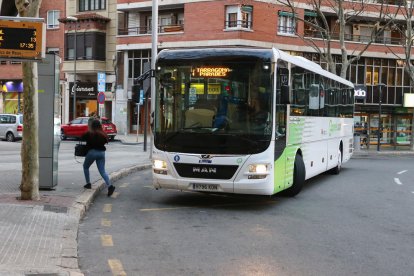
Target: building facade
90, 38
11, 85
263, 23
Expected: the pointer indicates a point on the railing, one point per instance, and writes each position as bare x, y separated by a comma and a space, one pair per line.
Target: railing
238, 24
286, 30
356, 38
148, 29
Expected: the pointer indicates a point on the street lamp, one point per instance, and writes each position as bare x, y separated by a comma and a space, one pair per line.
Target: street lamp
380, 86
74, 19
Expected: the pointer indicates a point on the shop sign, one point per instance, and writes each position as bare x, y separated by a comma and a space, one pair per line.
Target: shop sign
360, 92
84, 90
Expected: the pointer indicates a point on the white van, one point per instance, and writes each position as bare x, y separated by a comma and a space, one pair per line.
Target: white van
11, 127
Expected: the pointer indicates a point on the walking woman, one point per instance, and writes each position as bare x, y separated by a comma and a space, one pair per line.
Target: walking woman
96, 139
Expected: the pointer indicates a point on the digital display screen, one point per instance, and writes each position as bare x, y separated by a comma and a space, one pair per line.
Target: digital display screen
210, 72
18, 39
22, 39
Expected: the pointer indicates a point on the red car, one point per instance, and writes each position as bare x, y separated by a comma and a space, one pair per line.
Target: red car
76, 128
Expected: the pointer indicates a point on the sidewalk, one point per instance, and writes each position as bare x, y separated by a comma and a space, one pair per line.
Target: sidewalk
40, 237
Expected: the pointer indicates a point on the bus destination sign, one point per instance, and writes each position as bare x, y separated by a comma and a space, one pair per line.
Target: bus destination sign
210, 72
21, 40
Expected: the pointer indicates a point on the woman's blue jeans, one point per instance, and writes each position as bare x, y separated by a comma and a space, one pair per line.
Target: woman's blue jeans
99, 157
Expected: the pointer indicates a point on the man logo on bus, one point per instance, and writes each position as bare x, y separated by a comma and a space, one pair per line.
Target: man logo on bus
204, 170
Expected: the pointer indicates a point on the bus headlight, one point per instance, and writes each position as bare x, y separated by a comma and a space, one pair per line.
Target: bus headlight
258, 171
258, 168
159, 166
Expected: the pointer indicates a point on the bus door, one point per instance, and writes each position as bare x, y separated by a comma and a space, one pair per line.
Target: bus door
282, 90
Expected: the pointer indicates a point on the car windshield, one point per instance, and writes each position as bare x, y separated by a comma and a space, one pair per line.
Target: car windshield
228, 104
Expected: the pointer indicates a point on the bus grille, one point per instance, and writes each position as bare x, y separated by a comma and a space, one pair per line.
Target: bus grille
206, 171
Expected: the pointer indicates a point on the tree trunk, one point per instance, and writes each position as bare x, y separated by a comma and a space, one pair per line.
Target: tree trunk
29, 186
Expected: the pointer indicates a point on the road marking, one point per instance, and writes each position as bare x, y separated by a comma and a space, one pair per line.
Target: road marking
107, 208
401, 172
106, 240
205, 206
124, 185
397, 181
116, 267
106, 222
115, 195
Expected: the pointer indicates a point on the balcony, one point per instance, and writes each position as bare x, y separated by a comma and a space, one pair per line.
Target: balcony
357, 38
145, 30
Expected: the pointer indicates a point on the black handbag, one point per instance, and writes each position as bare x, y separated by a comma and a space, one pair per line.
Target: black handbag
81, 150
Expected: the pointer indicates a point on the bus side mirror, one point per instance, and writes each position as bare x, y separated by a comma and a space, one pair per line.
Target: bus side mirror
285, 97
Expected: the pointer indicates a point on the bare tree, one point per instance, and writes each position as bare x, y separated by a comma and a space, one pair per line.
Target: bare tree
325, 31
29, 186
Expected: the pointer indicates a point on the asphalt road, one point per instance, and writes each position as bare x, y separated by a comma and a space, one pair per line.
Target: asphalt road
357, 223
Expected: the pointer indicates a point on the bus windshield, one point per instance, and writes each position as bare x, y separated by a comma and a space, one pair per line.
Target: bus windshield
216, 107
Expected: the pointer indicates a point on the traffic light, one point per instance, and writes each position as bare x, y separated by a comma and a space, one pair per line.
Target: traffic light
136, 92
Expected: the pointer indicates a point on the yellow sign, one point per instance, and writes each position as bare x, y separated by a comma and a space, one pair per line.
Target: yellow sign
212, 88
22, 39
210, 72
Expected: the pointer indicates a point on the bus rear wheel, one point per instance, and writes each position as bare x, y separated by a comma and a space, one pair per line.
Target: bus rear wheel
298, 177
338, 167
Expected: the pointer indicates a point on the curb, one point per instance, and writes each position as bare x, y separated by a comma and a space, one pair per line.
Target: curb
77, 211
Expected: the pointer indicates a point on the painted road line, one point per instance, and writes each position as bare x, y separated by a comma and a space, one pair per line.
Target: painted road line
107, 208
106, 240
209, 206
401, 172
116, 267
115, 195
106, 222
124, 185
397, 181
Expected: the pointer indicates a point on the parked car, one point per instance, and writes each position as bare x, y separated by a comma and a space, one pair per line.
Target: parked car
79, 126
11, 127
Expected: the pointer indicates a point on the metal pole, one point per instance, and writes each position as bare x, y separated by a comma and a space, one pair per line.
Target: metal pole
379, 119
154, 52
137, 122
74, 69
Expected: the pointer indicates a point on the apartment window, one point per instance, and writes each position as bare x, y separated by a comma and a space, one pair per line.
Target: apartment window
52, 19
90, 46
92, 5
287, 23
239, 17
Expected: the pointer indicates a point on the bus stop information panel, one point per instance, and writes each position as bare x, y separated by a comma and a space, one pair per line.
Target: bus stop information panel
21, 40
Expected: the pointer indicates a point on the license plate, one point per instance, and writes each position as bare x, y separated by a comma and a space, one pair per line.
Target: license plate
109, 128
205, 187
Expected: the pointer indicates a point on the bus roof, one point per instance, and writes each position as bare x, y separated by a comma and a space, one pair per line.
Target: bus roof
310, 65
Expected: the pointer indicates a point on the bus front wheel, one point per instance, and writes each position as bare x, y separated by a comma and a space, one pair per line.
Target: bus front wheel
298, 177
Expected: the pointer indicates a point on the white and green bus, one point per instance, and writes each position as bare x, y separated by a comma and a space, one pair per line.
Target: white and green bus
248, 121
